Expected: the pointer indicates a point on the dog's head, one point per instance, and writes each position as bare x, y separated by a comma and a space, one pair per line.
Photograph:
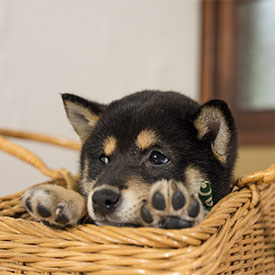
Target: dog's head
146, 137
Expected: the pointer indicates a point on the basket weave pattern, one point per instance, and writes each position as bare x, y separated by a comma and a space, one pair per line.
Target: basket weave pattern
237, 237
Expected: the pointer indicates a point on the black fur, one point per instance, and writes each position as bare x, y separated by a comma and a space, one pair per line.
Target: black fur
171, 115
143, 160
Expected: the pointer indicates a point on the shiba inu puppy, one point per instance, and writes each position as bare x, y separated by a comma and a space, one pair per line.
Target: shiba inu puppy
142, 162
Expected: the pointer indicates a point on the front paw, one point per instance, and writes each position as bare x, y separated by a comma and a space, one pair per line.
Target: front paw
170, 206
54, 206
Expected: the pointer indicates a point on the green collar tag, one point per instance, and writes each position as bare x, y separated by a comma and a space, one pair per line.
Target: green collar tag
205, 195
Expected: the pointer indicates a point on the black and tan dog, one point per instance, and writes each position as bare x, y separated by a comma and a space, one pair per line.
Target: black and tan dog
142, 162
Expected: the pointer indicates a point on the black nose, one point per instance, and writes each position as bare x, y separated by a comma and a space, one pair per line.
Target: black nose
105, 201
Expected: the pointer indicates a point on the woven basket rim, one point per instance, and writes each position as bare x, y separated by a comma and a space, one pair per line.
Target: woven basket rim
176, 238
29, 246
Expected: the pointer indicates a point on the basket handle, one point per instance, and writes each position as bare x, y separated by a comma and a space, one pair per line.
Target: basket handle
255, 179
62, 142
31, 158
260, 177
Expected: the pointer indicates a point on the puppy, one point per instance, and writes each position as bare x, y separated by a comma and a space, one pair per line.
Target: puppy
143, 160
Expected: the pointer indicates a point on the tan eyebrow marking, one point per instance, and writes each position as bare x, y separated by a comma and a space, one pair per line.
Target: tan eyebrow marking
109, 145
146, 139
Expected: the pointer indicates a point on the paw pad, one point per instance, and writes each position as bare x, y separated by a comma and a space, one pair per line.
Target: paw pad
178, 200
170, 205
54, 206
43, 211
146, 215
28, 205
60, 215
194, 208
173, 222
158, 201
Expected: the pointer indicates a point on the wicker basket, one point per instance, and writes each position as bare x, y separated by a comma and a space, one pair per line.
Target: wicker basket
237, 237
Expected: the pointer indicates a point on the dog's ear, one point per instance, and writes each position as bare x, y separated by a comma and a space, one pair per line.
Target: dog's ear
215, 124
82, 114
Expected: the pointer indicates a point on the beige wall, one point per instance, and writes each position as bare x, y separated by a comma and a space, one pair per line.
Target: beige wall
101, 49
254, 158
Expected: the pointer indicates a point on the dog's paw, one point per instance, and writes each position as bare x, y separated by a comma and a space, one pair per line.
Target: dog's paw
54, 206
170, 206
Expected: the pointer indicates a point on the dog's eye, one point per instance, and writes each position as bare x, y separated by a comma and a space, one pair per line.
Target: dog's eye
104, 159
157, 158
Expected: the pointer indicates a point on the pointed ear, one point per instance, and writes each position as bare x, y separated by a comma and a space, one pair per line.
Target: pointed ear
215, 124
82, 114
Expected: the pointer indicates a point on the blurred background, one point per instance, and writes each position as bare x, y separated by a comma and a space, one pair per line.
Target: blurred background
106, 49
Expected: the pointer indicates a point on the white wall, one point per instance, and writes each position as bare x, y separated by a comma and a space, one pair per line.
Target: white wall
101, 49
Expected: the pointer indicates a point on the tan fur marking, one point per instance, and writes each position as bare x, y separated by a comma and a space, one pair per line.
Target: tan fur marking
138, 186
132, 200
110, 145
146, 139
219, 146
194, 178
